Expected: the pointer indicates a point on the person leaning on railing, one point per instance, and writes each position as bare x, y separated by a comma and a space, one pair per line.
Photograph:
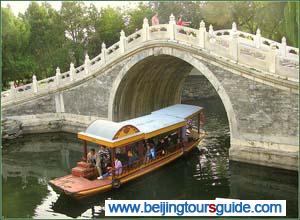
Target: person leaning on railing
155, 20
180, 22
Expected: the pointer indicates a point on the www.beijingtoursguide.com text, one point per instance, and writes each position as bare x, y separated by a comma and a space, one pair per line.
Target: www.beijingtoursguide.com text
218, 207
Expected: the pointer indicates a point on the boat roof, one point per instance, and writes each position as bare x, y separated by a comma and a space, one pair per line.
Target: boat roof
179, 111
114, 134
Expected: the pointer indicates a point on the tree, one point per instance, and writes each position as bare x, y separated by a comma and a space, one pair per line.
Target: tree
74, 17
17, 63
94, 39
136, 17
111, 23
291, 23
47, 40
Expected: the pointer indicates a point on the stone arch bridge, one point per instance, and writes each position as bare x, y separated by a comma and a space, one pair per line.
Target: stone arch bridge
256, 79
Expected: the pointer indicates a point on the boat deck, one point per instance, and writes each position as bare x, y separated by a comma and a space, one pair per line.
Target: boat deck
72, 184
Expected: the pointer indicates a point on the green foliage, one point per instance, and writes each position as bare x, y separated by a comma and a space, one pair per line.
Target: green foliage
111, 23
291, 22
43, 38
136, 16
16, 59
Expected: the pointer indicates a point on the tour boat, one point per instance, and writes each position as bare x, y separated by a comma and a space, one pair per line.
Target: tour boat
179, 123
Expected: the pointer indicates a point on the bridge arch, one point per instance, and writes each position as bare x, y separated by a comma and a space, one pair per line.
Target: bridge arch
136, 84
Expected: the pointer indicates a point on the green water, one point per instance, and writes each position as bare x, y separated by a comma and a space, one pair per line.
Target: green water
31, 161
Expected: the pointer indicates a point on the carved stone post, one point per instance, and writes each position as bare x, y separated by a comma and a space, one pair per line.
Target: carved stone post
57, 76
171, 28
283, 47
87, 64
202, 34
103, 53
34, 84
257, 39
211, 38
122, 41
145, 32
233, 44
72, 71
272, 58
211, 31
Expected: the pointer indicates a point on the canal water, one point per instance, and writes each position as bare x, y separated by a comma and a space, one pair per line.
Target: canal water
31, 161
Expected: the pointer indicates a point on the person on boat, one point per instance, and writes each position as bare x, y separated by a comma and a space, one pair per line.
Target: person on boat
130, 157
99, 162
118, 166
92, 157
155, 20
184, 133
190, 124
152, 152
148, 153
161, 146
180, 22
106, 166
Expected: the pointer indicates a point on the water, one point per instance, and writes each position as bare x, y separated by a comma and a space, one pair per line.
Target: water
31, 161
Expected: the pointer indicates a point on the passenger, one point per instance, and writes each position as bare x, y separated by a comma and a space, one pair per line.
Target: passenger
148, 153
118, 166
152, 152
99, 162
161, 146
104, 164
92, 157
190, 124
183, 134
130, 157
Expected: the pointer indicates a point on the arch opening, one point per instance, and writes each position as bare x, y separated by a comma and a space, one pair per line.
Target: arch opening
147, 83
151, 84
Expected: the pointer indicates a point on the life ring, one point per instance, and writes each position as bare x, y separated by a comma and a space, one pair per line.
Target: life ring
116, 183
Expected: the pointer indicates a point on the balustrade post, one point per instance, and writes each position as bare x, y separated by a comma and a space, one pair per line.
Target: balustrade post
103, 53
233, 43
57, 76
34, 84
272, 58
12, 89
211, 38
87, 64
283, 47
257, 39
171, 29
122, 41
145, 33
211, 31
202, 34
72, 71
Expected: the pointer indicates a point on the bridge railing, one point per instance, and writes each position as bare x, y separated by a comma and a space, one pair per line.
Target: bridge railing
250, 50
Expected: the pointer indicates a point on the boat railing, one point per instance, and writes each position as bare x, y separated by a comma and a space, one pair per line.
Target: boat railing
129, 168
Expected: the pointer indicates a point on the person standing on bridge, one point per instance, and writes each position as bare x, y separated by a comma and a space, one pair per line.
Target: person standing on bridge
155, 20
180, 22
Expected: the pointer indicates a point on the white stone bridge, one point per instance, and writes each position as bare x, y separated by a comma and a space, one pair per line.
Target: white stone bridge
256, 79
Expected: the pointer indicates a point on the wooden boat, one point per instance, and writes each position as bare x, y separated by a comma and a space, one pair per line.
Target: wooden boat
173, 122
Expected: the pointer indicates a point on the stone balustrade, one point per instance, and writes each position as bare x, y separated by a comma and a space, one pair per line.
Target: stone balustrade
242, 48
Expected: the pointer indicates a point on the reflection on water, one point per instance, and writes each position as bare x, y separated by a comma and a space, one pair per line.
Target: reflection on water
30, 162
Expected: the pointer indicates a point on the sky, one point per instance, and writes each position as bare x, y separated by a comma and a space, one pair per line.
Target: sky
21, 6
